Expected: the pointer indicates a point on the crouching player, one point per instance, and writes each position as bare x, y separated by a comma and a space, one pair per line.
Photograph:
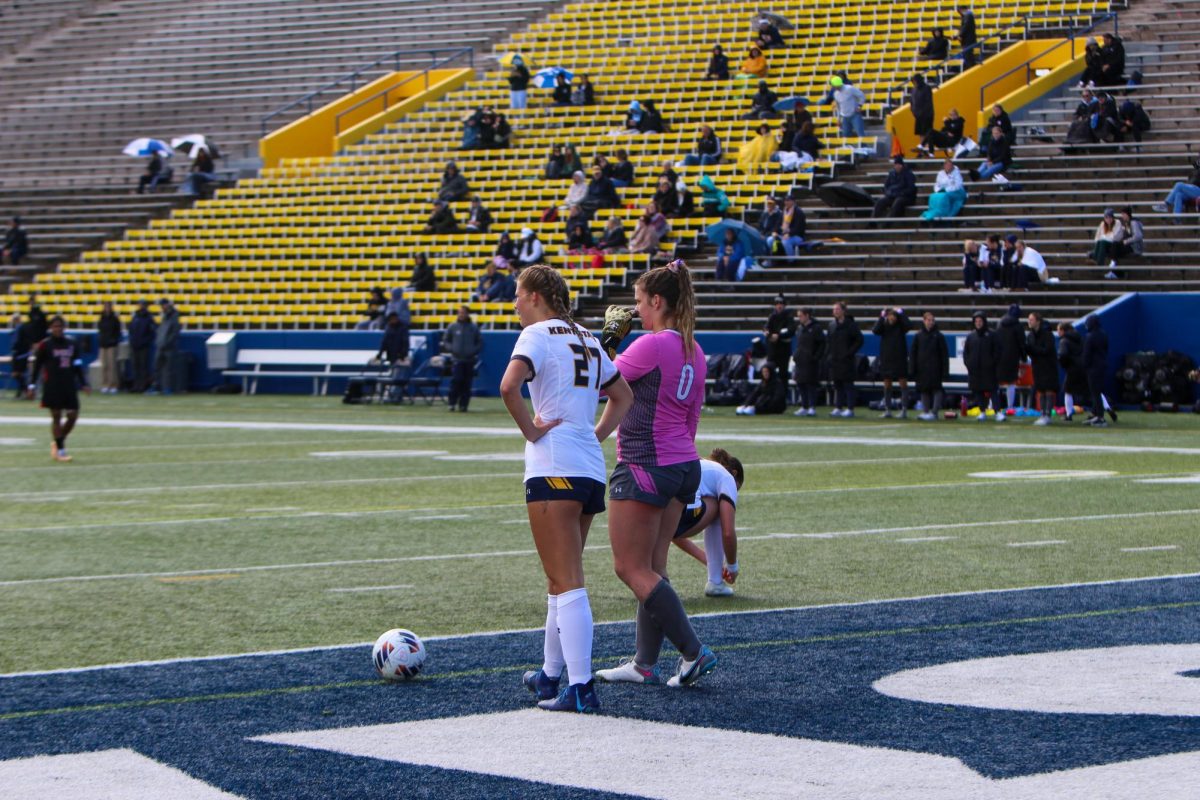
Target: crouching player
58, 360
721, 476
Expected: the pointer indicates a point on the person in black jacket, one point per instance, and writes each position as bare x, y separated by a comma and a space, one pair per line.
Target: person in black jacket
600, 192
454, 185
768, 397
518, 83
423, 278
562, 90
1112, 61
718, 65
463, 342
938, 46
844, 340
779, 330
948, 137
1011, 341
1070, 358
999, 157
1095, 363
622, 171
929, 364
762, 104
142, 327
108, 336
966, 36
393, 347
16, 243
979, 357
441, 219
922, 106
892, 329
770, 222
479, 219
899, 190
22, 345
810, 352
999, 117
768, 36
1039, 343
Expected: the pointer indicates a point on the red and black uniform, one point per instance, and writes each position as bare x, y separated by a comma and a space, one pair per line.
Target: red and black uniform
59, 364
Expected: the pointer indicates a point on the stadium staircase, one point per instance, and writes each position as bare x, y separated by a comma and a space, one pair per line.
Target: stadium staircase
301, 245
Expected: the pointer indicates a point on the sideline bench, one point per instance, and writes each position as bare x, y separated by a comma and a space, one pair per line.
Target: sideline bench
279, 363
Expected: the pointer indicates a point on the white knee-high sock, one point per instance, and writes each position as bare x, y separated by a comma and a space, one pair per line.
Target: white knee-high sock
553, 662
575, 631
1104, 400
1069, 403
1010, 392
714, 552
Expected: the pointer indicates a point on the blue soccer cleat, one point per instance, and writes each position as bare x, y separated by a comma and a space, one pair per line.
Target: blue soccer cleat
540, 684
691, 671
578, 697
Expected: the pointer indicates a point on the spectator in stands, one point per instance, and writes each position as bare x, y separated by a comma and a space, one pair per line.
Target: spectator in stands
762, 104
399, 305
572, 163
157, 171
561, 96
393, 349
1108, 123
713, 201
583, 93
622, 174
202, 173
769, 396
991, 257
494, 274
142, 327
108, 337
938, 46
518, 83
1039, 344
1132, 244
454, 185
793, 227
613, 239
980, 354
757, 151
441, 220
966, 37
754, 65
652, 119
921, 103
999, 157
555, 164
652, 226
1070, 358
463, 343
849, 100
501, 132
665, 198
668, 172
1095, 363
1010, 353
579, 233
1109, 232
373, 318
423, 278
999, 117
1183, 193
899, 191
970, 266
633, 119
805, 142
769, 37
948, 196
530, 250
892, 329
166, 347
577, 193
810, 353
929, 364
600, 193
844, 340
479, 219
779, 331
730, 255
707, 150
718, 65
948, 138
16, 243
1093, 73
1010, 263
1033, 266
1133, 121
1112, 63
471, 130
506, 248
685, 204
770, 224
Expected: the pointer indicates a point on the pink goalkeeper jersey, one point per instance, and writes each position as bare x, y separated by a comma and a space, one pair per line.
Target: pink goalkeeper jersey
668, 392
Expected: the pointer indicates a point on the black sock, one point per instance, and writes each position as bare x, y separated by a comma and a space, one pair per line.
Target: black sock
61, 442
649, 638
664, 607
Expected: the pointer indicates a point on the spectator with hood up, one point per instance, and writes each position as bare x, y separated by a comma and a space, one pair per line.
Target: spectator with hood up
1039, 344
892, 329
810, 353
768, 397
1010, 352
929, 364
980, 355
142, 326
718, 65
844, 340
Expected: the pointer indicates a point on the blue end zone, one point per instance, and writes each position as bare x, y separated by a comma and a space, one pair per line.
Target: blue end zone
803, 673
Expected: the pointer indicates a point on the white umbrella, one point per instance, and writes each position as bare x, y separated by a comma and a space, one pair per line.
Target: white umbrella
147, 147
190, 144
546, 78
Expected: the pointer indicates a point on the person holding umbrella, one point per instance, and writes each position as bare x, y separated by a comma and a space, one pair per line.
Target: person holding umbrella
730, 255
157, 171
518, 83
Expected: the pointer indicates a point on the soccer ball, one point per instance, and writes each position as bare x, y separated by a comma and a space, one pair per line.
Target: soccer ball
398, 655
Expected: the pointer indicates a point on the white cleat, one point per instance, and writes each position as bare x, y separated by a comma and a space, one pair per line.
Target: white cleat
721, 589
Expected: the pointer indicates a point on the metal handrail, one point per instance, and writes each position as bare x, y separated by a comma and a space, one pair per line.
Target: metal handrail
1071, 35
337, 126
351, 77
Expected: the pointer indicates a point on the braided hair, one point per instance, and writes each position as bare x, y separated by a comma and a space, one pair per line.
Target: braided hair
550, 285
674, 284
731, 464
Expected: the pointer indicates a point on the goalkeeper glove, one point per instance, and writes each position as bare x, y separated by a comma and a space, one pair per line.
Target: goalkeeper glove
616, 327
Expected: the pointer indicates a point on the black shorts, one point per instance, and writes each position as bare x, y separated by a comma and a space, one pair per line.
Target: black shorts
584, 490
60, 397
688, 519
656, 486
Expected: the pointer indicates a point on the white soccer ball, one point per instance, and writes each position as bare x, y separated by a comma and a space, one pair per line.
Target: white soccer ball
398, 655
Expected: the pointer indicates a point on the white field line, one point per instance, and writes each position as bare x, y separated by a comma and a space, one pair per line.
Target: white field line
206, 445
1150, 549
917, 539
1039, 543
530, 551
352, 589
708, 615
511, 431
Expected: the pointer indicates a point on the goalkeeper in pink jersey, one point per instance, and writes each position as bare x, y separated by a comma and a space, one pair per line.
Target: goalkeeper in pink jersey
658, 468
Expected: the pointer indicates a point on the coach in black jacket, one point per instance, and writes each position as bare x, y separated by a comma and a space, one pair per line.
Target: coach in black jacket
892, 329
810, 351
779, 330
929, 364
979, 356
1095, 362
1039, 343
844, 340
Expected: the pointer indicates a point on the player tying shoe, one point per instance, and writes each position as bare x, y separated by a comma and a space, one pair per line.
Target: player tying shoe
658, 469
713, 512
59, 361
564, 469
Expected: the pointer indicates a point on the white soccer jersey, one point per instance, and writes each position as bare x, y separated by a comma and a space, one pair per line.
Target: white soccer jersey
715, 481
566, 385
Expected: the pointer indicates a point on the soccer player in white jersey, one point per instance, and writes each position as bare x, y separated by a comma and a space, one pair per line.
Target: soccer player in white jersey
566, 369
714, 512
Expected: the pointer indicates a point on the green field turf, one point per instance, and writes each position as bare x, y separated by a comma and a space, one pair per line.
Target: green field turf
174, 542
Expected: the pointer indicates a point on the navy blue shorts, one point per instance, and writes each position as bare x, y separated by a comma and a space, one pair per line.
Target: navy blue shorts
688, 519
583, 490
656, 486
